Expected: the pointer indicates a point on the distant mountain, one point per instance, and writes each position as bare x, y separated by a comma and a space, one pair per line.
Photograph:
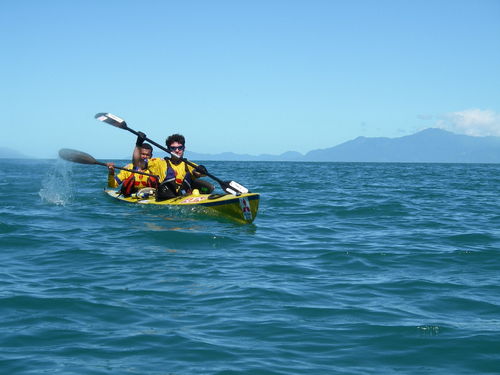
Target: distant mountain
230, 156
429, 145
8, 153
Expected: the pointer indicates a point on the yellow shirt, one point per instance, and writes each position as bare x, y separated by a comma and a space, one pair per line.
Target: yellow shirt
141, 180
159, 167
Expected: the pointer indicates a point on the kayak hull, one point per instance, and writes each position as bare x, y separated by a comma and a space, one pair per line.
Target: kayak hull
242, 208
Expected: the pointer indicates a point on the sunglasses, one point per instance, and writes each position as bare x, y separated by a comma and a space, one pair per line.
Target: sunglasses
176, 148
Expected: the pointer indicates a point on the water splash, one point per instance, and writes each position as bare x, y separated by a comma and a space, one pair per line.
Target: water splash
57, 185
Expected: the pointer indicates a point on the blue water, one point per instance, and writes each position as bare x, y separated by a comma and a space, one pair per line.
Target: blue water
349, 268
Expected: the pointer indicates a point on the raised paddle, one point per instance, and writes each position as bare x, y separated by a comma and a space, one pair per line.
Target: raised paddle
84, 158
231, 187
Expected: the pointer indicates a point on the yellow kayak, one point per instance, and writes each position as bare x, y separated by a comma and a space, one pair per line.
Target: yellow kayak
242, 208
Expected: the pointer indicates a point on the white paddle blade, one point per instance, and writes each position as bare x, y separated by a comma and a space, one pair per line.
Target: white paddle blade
231, 191
239, 188
111, 119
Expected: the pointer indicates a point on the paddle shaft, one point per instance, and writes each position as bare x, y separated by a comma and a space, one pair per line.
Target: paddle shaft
81, 157
173, 155
128, 170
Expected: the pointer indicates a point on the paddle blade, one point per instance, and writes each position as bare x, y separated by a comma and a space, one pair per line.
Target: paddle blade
238, 187
232, 187
76, 156
112, 120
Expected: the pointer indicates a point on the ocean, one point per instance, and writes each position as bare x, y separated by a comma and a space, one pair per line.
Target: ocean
349, 268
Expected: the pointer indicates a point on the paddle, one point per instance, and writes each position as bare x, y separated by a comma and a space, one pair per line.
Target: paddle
231, 187
84, 158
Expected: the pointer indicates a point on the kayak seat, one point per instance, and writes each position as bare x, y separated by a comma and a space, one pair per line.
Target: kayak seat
203, 186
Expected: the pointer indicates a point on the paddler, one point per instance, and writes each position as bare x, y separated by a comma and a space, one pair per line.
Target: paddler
133, 182
176, 177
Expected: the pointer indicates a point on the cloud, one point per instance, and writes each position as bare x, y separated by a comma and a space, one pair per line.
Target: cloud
475, 122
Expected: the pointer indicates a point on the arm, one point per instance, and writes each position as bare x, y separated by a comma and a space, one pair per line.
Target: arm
136, 156
111, 175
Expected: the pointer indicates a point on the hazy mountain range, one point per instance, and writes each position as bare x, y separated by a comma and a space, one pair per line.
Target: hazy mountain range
8, 153
428, 146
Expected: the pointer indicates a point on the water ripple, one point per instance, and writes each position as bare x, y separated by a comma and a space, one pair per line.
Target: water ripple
384, 268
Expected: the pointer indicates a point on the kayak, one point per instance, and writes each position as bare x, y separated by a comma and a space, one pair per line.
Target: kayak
241, 208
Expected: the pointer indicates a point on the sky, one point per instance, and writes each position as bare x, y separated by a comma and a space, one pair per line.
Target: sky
250, 77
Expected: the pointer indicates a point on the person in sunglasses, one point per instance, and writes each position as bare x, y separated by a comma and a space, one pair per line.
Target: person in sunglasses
176, 176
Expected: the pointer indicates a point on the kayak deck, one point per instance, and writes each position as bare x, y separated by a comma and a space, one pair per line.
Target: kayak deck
242, 208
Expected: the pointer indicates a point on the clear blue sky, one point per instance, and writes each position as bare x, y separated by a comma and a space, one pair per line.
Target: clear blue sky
255, 76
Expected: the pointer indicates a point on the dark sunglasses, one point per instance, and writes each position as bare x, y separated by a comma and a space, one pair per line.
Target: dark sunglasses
175, 148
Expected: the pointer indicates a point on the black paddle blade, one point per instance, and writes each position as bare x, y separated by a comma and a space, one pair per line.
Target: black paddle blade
112, 120
76, 156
